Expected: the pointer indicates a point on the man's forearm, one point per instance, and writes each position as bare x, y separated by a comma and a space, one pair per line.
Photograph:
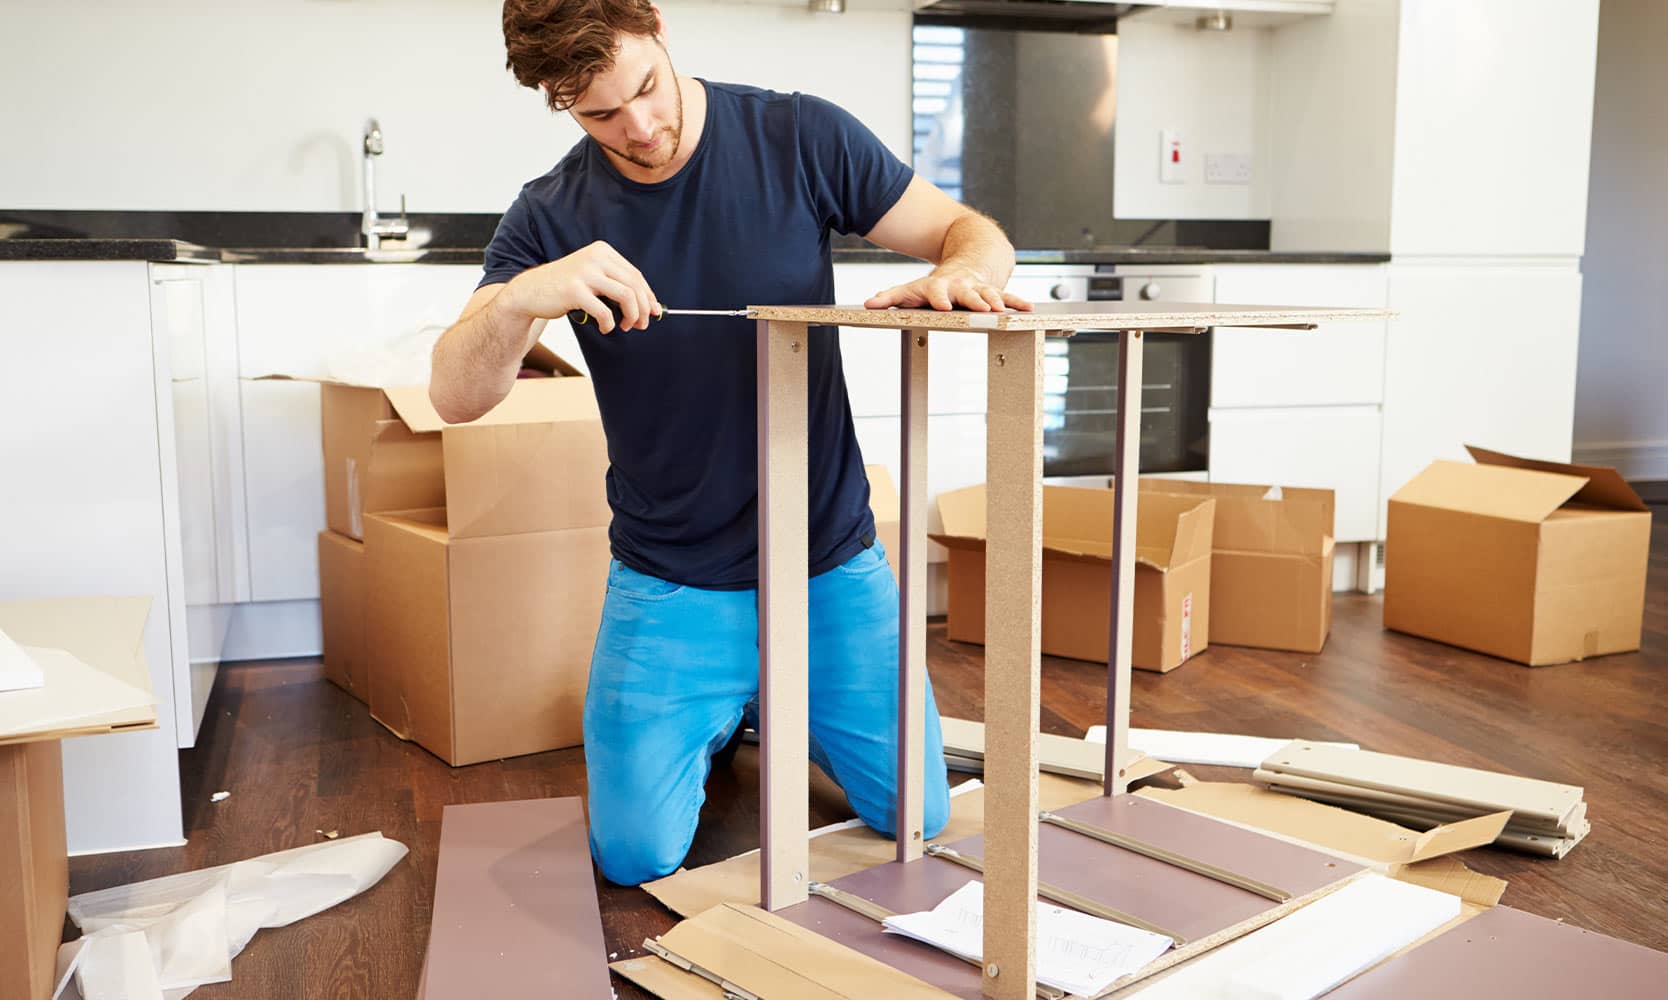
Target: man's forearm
476, 361
975, 243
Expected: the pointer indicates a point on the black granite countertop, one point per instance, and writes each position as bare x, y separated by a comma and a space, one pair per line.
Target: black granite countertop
457, 238
165, 250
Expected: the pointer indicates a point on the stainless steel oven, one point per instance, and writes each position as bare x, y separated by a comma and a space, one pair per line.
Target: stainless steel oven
1080, 373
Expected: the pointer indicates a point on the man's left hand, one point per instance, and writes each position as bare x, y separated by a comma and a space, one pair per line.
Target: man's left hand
946, 289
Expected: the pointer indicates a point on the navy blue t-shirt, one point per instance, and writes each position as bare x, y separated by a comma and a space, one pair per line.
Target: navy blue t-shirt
746, 221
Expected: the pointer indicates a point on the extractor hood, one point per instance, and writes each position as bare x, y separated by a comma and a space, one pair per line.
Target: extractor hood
1038, 15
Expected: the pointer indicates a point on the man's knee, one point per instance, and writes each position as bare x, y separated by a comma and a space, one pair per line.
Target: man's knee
634, 853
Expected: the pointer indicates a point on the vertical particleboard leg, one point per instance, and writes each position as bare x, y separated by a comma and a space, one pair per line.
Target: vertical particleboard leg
912, 596
1013, 615
784, 631
1127, 466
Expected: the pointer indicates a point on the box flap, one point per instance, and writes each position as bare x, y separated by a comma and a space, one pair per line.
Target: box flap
1254, 518
1496, 491
884, 501
963, 512
1605, 486
532, 400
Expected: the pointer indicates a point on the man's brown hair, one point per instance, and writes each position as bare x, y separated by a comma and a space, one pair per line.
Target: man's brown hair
561, 45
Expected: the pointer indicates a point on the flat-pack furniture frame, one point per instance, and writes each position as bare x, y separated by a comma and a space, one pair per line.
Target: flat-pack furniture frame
1013, 582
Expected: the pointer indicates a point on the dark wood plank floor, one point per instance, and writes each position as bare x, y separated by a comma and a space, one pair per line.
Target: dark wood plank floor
299, 756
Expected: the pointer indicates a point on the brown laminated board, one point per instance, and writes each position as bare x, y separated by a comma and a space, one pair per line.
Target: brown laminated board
1201, 909
515, 905
1504, 952
1059, 318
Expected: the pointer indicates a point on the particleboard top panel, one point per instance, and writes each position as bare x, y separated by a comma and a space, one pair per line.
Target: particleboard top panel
1065, 317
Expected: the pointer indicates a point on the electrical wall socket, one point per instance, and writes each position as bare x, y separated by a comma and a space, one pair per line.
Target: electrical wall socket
1170, 160
1227, 168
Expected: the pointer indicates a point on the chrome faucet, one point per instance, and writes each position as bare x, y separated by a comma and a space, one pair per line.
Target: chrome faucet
374, 228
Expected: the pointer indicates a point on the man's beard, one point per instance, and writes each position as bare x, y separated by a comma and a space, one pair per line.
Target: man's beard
671, 135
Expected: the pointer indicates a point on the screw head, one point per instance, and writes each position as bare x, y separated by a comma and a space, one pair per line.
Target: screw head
993, 970
799, 876
795, 346
920, 341
1001, 359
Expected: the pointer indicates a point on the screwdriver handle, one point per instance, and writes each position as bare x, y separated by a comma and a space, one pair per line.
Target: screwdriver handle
579, 317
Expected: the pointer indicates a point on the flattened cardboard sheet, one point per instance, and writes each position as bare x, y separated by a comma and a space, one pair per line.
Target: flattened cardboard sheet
1509, 953
515, 905
772, 957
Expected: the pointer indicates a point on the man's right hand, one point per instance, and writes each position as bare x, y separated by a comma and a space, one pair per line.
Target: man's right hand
582, 280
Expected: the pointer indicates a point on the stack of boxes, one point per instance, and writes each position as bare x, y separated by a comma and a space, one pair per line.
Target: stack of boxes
464, 566
1215, 563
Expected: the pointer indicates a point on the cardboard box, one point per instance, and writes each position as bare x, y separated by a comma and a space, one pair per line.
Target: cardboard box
342, 613
480, 646
513, 470
886, 506
1270, 563
1172, 573
1538, 562
107, 634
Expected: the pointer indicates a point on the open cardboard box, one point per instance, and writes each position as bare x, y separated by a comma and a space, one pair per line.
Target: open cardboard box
1172, 572
1270, 563
1538, 562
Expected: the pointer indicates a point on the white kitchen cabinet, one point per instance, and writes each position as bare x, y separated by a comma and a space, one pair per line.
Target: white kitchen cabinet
1325, 447
90, 501
309, 321
955, 361
1333, 364
1433, 128
192, 321
1481, 353
1493, 126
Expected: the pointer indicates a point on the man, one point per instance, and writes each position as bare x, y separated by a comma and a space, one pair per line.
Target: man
705, 196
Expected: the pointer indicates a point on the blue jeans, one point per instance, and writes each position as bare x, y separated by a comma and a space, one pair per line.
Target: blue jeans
675, 669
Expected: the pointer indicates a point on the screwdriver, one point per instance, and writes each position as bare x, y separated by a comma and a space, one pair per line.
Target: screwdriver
579, 317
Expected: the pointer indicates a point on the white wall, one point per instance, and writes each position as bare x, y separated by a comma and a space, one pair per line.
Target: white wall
1212, 87
1621, 410
259, 105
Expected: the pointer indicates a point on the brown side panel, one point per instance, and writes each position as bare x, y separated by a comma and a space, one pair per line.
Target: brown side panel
1464, 579
34, 867
525, 611
408, 634
1503, 952
515, 905
1591, 598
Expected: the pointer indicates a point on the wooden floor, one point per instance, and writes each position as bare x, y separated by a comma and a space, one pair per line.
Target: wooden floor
298, 756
